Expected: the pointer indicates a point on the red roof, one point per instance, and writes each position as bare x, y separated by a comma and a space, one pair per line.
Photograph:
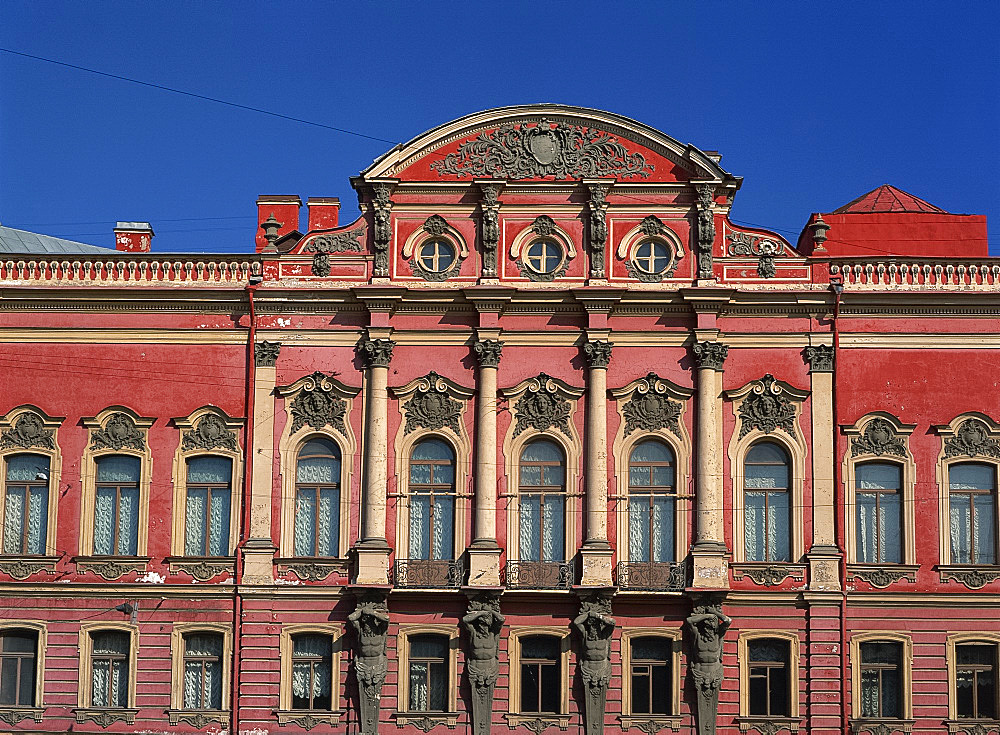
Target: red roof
887, 198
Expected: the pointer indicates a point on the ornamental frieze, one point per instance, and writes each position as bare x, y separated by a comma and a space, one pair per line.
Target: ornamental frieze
560, 150
209, 432
768, 575
881, 577
29, 432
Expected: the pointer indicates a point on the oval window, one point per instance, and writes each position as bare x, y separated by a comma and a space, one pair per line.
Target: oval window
435, 256
544, 256
651, 257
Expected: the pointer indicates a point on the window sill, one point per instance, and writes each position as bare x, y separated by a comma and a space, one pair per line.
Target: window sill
973, 576
881, 727
538, 723
308, 719
22, 566
768, 725
651, 724
105, 716
881, 576
972, 727
111, 567
426, 720
202, 568
198, 718
312, 568
14, 715
769, 574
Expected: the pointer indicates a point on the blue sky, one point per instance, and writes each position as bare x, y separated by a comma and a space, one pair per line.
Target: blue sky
812, 103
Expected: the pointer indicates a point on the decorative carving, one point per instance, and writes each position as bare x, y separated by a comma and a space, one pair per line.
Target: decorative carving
490, 228
488, 352
974, 579
710, 354
111, 570
209, 433
543, 226
541, 407
431, 407
537, 725
651, 727
382, 204
745, 244
316, 405
649, 408
370, 623
204, 570
598, 227
199, 719
24, 568
105, 717
767, 409
706, 230
598, 353
119, 432
376, 352
12, 715
973, 440
820, 358
881, 577
595, 626
770, 575
768, 727
878, 729
707, 626
425, 723
266, 353
978, 728
483, 623
559, 150
436, 225
879, 438
310, 571
336, 242
28, 431
651, 226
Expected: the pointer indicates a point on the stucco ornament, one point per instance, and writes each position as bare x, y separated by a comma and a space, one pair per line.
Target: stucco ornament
598, 227
209, 433
706, 230
710, 354
559, 150
370, 623
317, 406
119, 432
598, 353
649, 409
747, 245
974, 579
490, 228
596, 627
436, 226
541, 407
376, 352
652, 226
28, 432
879, 438
266, 353
972, 440
820, 358
23, 568
337, 242
382, 204
770, 575
766, 409
880, 577
707, 626
484, 624
431, 407
488, 352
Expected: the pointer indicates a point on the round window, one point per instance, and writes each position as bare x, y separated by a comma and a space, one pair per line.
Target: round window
651, 257
435, 256
544, 256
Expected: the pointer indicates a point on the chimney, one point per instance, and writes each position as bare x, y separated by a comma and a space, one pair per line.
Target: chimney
284, 208
133, 237
323, 212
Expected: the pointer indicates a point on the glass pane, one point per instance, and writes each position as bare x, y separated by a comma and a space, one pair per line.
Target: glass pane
755, 504
758, 696
111, 642
866, 527
661, 689
540, 646
320, 447
641, 690
554, 528
215, 470
984, 526
663, 476
878, 476
870, 694
968, 654
880, 653
419, 695
329, 521
529, 688
219, 523
986, 694
663, 530
890, 528
118, 469
890, 693
38, 518
104, 521
26, 691
972, 477
305, 523
433, 449
444, 527
27, 468
542, 451
651, 451
767, 452
778, 527
19, 642
317, 470
420, 473
765, 476
194, 687
318, 646
965, 694
638, 529
428, 646
128, 522
639, 477
778, 692
8, 681
420, 517
651, 649
195, 516
768, 649
530, 528
551, 688
961, 529
13, 518
203, 644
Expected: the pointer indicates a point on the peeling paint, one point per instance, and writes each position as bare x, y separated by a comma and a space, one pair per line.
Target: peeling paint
152, 578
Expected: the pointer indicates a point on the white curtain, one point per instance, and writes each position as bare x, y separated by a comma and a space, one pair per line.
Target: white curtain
754, 508
984, 526
128, 522
305, 522
663, 530
329, 515
444, 527
553, 541
419, 694
110, 676
218, 544
961, 529
313, 646
104, 519
194, 521
638, 528
530, 527
13, 520
203, 679
420, 514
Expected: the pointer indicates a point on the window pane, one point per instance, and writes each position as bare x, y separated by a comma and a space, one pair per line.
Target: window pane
305, 522
971, 477
194, 521
118, 469
530, 528
651, 649
965, 693
768, 649
26, 690
27, 468
778, 692
765, 476
984, 528
758, 697
554, 531
778, 528
878, 476
663, 530
420, 516
551, 688
890, 529
433, 449
767, 452
317, 470
128, 521
104, 521
661, 689
641, 681
880, 653
215, 470
638, 528
420, 473
755, 506
329, 522
867, 529
529, 688
540, 646
13, 518
428, 646
961, 529
219, 523
19, 642
663, 476
444, 527
419, 694
651, 451
891, 688
541, 451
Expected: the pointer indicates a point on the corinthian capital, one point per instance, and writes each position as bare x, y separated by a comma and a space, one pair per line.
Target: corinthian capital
598, 353
488, 352
710, 354
376, 352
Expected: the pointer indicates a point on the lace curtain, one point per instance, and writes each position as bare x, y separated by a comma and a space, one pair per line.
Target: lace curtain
542, 531
317, 533
125, 516
766, 529
428, 687
203, 675
973, 526
651, 529
110, 673
26, 511
311, 655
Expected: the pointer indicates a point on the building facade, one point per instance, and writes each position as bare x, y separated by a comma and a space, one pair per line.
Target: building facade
544, 441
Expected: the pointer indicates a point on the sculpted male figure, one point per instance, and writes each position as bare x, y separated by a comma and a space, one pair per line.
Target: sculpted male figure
596, 628
370, 622
707, 625
483, 623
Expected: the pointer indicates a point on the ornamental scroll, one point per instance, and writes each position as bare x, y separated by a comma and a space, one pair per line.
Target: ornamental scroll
318, 401
432, 403
29, 429
653, 404
543, 403
335, 242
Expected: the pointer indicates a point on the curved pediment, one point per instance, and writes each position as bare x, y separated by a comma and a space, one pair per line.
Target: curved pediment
545, 142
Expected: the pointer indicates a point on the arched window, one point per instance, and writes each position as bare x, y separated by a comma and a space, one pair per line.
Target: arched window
26, 504
18, 667
542, 502
651, 503
432, 500
766, 503
317, 499
973, 504
207, 511
116, 512
878, 512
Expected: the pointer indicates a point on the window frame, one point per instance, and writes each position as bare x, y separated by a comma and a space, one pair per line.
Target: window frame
405, 632
629, 245
85, 687
41, 643
674, 638
906, 675
515, 634
526, 237
680, 548
458, 519
286, 649
420, 236
177, 649
794, 655
951, 655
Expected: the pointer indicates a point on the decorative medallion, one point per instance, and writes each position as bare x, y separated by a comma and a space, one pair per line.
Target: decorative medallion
537, 725
974, 579
310, 571
598, 353
541, 407
23, 568
766, 409
881, 577
972, 440
203, 570
879, 438
376, 352
770, 575
488, 352
543, 226
706, 230
337, 242
559, 150
598, 227
266, 353
382, 204
431, 407
28, 432
119, 432
649, 409
710, 354
436, 225
209, 433
820, 358
317, 406
490, 229
747, 245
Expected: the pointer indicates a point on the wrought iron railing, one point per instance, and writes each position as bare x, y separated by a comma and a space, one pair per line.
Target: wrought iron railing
429, 573
652, 575
538, 575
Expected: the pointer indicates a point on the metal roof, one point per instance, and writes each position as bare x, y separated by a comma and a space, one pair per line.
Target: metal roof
21, 241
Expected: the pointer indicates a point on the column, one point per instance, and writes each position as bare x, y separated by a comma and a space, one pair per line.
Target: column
824, 557
709, 551
373, 549
484, 552
596, 551
259, 549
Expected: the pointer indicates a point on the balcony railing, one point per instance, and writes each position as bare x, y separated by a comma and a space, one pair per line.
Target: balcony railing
902, 273
539, 575
652, 575
129, 270
429, 573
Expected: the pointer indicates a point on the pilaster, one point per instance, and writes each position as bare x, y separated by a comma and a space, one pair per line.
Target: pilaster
824, 557
596, 551
259, 549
